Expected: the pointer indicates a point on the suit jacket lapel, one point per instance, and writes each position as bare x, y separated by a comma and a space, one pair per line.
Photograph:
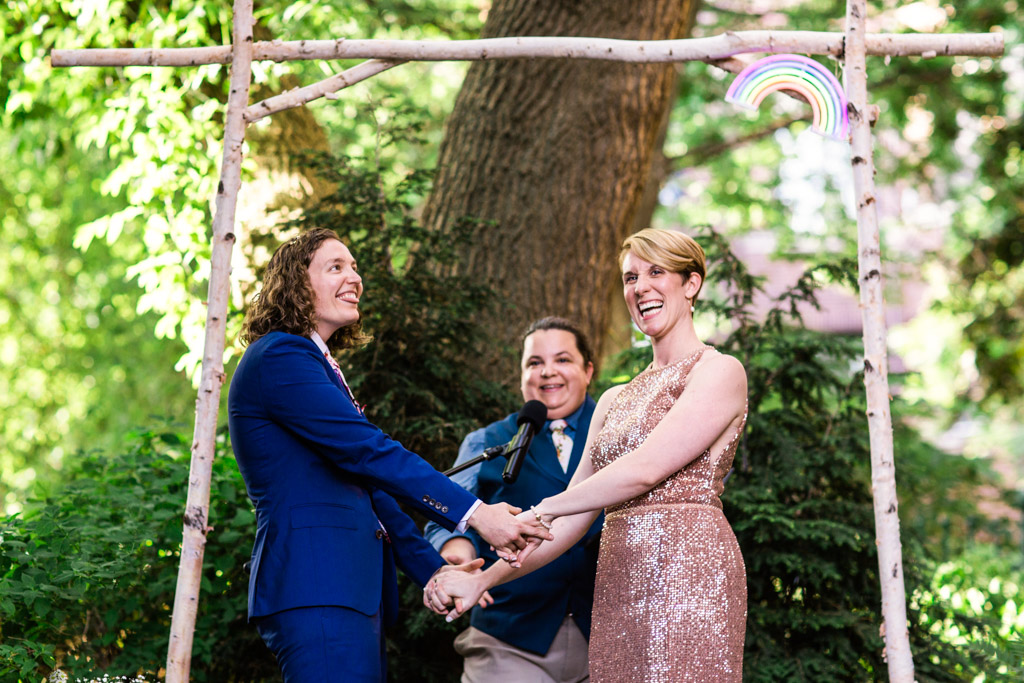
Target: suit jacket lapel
544, 452
544, 447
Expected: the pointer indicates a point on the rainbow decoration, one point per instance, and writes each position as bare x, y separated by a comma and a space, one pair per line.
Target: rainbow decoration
803, 76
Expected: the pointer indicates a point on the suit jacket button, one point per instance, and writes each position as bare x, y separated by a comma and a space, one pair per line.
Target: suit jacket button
379, 534
437, 505
444, 509
426, 499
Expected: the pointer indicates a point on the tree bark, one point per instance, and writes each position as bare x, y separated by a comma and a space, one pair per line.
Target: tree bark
618, 333
555, 154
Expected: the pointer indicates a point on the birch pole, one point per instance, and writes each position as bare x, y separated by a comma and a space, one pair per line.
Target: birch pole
876, 373
197, 507
709, 49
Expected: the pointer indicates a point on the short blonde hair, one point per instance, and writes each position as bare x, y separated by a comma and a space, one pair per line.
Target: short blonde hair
672, 250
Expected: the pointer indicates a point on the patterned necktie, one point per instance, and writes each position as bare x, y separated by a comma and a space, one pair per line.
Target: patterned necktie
562, 441
337, 371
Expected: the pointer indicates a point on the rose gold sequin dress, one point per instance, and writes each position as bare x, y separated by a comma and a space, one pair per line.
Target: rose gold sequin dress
670, 603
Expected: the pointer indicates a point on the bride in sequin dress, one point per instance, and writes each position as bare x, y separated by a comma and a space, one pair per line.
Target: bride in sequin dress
670, 598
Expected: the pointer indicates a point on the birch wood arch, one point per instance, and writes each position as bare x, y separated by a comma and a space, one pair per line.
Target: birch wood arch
851, 47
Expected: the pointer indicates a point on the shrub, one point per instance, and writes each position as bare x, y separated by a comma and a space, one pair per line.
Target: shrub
88, 572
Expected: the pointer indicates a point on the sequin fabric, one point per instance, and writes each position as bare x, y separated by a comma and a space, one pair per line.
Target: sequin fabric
670, 602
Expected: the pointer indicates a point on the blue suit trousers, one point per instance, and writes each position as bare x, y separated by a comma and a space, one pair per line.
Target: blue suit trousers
330, 644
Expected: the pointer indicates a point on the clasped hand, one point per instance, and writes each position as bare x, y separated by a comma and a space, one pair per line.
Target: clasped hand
463, 585
518, 556
459, 585
506, 532
455, 589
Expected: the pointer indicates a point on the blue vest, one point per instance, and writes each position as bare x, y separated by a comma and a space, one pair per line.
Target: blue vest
528, 611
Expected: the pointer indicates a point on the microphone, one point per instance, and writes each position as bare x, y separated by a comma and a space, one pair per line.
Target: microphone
531, 418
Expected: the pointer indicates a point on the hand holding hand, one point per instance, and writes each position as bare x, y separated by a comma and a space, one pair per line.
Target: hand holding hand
464, 589
506, 533
460, 550
516, 559
435, 598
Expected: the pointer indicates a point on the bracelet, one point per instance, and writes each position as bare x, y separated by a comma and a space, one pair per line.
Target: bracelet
540, 517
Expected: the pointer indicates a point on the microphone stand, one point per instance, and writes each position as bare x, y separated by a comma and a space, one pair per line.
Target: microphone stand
488, 454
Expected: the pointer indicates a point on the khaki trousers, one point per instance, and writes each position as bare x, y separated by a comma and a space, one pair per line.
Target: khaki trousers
489, 660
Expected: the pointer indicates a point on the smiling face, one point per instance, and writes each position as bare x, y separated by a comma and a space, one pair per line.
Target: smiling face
336, 287
657, 298
554, 373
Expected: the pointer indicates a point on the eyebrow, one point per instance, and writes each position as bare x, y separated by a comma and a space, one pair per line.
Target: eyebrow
557, 354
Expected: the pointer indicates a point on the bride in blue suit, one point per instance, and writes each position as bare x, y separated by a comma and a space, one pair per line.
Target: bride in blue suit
324, 480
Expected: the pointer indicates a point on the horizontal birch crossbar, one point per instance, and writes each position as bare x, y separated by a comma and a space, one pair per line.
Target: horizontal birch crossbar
711, 49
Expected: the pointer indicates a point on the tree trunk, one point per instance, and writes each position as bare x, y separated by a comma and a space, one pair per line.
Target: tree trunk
555, 154
618, 332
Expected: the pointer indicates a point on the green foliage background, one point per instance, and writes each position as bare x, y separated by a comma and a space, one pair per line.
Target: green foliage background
104, 214
110, 174
87, 574
105, 199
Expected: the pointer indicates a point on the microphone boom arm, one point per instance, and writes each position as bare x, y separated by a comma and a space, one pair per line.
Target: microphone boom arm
488, 454
530, 419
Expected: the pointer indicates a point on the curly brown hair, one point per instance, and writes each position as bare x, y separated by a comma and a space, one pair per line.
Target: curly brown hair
287, 302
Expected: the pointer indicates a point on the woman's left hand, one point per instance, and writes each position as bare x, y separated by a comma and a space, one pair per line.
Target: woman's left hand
436, 598
463, 589
535, 516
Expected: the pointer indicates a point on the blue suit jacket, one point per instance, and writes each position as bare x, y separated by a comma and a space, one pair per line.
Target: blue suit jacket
528, 611
321, 478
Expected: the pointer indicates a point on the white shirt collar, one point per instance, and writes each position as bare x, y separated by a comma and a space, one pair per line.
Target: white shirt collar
319, 342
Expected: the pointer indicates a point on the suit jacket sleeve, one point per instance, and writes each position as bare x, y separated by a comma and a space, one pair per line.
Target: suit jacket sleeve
413, 554
300, 395
471, 447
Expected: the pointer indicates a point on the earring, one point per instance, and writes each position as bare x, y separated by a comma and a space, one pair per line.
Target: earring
692, 309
